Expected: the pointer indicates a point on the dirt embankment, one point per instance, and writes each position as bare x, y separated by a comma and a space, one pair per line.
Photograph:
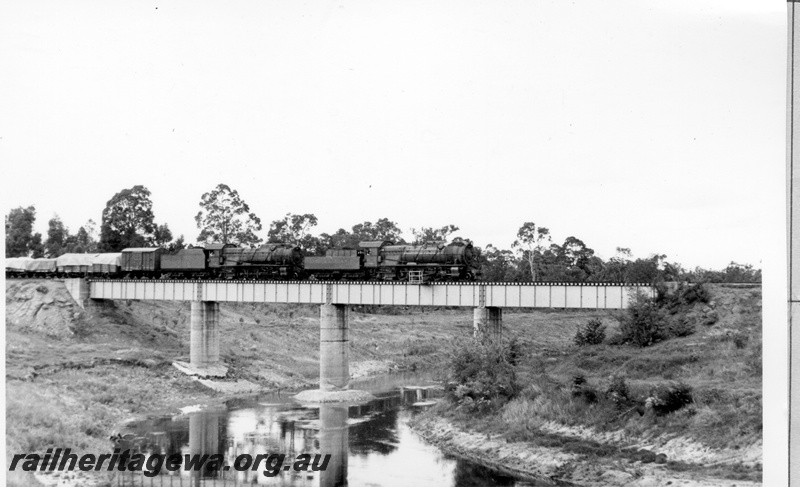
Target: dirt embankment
275, 347
41, 307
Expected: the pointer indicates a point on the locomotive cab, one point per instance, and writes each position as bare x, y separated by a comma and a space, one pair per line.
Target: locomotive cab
214, 254
373, 256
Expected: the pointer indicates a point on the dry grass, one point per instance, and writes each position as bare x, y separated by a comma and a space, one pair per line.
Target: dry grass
721, 364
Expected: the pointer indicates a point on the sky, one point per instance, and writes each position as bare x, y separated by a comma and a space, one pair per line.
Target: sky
657, 126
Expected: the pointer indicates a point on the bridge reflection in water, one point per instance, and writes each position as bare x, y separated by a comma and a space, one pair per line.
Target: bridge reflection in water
329, 429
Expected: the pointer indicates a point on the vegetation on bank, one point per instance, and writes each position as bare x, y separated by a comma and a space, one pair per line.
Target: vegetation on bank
673, 366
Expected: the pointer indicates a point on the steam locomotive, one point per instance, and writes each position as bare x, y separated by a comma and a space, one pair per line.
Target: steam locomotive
372, 260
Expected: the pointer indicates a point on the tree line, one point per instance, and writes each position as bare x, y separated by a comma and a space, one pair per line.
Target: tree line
224, 217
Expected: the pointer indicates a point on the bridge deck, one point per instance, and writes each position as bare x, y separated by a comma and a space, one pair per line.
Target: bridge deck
474, 294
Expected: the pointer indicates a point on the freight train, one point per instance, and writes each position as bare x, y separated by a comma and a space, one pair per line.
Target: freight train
374, 260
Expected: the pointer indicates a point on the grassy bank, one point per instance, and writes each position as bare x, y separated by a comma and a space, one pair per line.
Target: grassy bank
690, 401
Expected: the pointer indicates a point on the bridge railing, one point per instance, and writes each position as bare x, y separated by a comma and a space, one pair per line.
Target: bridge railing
475, 294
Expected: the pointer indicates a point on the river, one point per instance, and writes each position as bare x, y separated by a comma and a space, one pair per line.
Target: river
369, 444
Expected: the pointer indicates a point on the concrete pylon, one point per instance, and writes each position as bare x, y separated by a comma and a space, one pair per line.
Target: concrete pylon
488, 323
203, 342
334, 347
334, 360
204, 334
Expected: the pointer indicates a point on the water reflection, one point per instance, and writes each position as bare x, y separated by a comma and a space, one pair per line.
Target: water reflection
333, 440
368, 444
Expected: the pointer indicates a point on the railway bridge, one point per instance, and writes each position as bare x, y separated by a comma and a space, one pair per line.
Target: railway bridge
334, 298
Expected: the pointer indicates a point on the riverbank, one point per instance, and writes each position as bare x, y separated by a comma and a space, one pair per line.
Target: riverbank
559, 465
566, 423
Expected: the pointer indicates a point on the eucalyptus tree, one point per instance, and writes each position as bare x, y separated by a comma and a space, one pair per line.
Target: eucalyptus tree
225, 218
128, 220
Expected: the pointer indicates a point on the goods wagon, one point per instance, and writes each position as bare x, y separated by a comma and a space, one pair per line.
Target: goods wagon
106, 265
74, 265
41, 267
15, 266
141, 262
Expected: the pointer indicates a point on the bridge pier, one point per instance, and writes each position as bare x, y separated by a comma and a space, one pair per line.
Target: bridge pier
204, 341
487, 323
204, 334
334, 359
334, 347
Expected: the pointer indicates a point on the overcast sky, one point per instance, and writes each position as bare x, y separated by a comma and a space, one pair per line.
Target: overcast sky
658, 126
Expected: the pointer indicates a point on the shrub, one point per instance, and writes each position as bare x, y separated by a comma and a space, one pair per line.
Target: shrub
616, 339
514, 351
681, 327
692, 294
593, 333
618, 392
481, 377
667, 399
643, 323
684, 295
582, 390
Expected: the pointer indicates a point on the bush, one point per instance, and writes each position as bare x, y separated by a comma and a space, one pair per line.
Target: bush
618, 392
681, 327
667, 399
616, 339
582, 390
643, 324
514, 351
480, 377
593, 333
692, 294
685, 295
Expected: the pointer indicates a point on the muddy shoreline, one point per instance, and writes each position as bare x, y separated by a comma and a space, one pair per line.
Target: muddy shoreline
554, 466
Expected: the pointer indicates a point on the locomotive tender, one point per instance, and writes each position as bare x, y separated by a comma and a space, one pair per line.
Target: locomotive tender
373, 260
